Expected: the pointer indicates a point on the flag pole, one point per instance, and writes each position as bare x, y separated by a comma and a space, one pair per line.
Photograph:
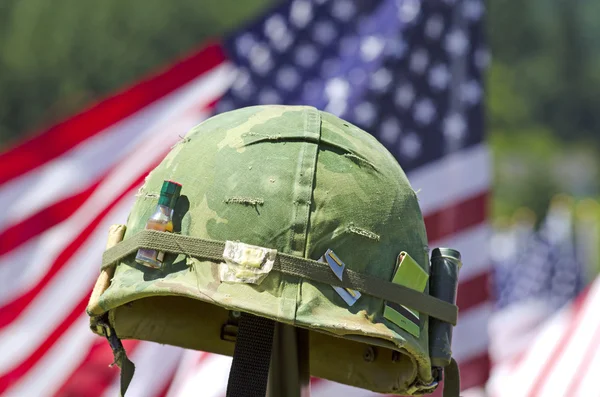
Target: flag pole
289, 373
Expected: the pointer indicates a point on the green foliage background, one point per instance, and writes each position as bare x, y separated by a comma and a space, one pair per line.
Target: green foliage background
543, 87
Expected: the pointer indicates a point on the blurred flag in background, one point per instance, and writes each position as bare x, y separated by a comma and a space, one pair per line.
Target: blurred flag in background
544, 334
409, 72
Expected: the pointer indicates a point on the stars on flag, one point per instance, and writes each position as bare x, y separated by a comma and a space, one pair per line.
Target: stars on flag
405, 71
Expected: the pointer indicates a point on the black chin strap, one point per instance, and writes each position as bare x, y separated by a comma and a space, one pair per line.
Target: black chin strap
251, 358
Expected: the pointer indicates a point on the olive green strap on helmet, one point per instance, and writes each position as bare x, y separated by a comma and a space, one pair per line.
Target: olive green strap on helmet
287, 264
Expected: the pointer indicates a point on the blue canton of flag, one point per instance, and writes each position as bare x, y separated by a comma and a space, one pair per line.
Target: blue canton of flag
409, 72
540, 268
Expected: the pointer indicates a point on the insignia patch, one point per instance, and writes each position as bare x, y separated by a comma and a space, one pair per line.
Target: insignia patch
349, 296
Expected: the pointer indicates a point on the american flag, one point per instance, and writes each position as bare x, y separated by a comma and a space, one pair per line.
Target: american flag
409, 72
535, 350
561, 359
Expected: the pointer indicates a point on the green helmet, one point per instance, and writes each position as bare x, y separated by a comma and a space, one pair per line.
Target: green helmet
270, 194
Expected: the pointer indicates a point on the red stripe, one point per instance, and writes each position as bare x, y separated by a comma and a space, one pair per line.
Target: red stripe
456, 217
473, 291
475, 371
167, 386
66, 135
588, 356
44, 219
574, 320
18, 234
12, 376
12, 310
169, 382
316, 381
94, 375
204, 356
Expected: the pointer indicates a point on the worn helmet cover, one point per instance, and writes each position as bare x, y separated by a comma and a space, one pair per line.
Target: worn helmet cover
300, 181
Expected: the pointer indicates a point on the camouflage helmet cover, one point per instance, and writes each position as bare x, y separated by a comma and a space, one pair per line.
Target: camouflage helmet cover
300, 181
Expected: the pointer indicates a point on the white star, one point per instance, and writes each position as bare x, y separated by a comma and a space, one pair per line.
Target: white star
473, 9
424, 111
381, 79
241, 79
283, 42
419, 61
439, 77
336, 107
410, 146
470, 92
242, 84
306, 55
337, 88
275, 27
434, 27
455, 128
390, 130
456, 43
324, 32
277, 32
371, 47
260, 58
343, 10
404, 96
287, 78
245, 43
408, 10
301, 13
365, 113
268, 96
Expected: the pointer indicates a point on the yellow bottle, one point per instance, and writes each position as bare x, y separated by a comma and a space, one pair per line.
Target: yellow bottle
161, 220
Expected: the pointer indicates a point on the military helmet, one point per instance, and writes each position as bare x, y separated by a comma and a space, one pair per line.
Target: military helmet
272, 199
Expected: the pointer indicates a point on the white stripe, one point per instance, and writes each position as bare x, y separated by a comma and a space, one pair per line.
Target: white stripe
560, 375
518, 381
589, 377
470, 337
51, 306
27, 265
154, 365
472, 243
514, 328
188, 365
55, 301
452, 179
81, 166
55, 367
210, 378
473, 392
41, 252
326, 388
